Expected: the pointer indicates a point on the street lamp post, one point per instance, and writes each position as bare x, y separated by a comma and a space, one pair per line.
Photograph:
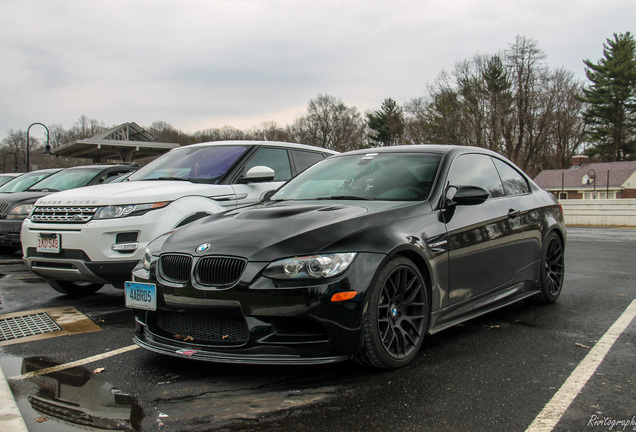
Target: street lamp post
47, 148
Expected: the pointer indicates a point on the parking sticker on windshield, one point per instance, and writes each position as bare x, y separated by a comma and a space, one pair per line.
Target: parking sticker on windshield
367, 158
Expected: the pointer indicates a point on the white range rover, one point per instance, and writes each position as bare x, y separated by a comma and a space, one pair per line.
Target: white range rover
81, 239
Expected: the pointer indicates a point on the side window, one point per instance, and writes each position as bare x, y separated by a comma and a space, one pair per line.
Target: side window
476, 170
305, 159
514, 183
110, 175
274, 158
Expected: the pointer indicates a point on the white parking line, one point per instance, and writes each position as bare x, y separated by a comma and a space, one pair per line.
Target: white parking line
549, 417
76, 363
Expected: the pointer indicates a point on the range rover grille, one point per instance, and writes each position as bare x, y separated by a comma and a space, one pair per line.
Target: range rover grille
68, 214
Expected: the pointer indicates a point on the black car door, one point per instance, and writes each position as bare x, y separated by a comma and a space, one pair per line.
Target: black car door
483, 239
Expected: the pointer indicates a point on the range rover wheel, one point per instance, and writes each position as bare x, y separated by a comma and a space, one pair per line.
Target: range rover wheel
397, 316
73, 288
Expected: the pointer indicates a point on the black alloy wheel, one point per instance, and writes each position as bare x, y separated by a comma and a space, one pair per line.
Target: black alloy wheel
73, 288
397, 316
552, 270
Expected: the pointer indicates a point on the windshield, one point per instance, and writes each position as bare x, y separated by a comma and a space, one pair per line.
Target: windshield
196, 164
25, 181
6, 178
371, 176
67, 179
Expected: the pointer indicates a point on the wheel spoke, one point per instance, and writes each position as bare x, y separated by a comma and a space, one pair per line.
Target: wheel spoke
402, 312
554, 266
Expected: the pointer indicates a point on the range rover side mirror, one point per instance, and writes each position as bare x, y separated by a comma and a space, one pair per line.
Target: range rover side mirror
258, 174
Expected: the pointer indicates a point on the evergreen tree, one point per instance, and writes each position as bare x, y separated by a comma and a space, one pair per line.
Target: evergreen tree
387, 122
611, 115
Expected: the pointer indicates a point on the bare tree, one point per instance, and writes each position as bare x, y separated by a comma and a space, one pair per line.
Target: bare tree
270, 131
329, 123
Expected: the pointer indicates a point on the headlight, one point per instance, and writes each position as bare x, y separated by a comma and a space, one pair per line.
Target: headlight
145, 260
117, 211
153, 249
314, 267
20, 211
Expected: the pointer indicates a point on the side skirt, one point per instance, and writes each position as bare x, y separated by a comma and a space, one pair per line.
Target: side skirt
472, 308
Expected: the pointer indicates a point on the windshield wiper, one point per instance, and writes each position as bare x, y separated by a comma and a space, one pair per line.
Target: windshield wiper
191, 180
346, 197
43, 190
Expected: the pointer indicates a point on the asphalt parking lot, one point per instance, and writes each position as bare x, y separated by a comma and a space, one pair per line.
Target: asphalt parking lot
563, 367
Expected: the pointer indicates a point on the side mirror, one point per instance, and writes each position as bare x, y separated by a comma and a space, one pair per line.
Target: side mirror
466, 195
258, 174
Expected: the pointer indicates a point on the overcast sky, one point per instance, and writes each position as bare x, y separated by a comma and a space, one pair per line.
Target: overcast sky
209, 63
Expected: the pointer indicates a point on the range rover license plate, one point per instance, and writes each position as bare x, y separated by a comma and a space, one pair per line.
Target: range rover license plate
141, 295
49, 243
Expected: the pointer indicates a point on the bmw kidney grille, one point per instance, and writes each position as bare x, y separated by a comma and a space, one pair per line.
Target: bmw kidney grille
208, 271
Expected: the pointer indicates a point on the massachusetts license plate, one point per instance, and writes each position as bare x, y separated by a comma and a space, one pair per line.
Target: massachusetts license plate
49, 243
141, 295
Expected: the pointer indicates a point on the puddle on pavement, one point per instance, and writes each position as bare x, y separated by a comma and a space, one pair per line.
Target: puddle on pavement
71, 399
29, 278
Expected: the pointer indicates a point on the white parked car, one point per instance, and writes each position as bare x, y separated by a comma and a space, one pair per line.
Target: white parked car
82, 239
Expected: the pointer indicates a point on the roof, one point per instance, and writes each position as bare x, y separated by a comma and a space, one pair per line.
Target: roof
263, 143
127, 141
576, 177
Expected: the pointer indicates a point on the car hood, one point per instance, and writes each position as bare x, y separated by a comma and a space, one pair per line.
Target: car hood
134, 192
15, 197
270, 231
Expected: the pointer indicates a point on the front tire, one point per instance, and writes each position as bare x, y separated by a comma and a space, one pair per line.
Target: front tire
397, 316
552, 270
73, 288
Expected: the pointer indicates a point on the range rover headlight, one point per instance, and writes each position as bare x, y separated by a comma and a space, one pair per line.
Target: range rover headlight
21, 211
118, 211
310, 267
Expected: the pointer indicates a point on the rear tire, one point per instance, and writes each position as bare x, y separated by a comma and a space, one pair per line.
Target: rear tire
397, 316
552, 270
73, 288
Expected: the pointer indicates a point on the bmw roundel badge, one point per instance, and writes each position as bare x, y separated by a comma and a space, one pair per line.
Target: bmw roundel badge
202, 247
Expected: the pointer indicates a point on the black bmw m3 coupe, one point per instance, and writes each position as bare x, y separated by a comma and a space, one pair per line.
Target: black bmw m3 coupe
358, 257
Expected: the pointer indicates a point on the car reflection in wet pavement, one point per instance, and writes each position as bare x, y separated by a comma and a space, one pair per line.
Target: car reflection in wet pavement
81, 398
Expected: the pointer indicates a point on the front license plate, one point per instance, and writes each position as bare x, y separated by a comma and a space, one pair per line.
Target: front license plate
49, 243
141, 295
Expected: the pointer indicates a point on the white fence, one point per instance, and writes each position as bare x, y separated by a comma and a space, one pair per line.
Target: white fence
611, 212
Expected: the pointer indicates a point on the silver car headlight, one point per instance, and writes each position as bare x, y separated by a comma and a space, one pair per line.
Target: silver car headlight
21, 211
118, 211
310, 267
146, 259
152, 251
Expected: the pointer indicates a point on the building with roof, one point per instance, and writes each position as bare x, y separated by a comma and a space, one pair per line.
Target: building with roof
595, 180
125, 142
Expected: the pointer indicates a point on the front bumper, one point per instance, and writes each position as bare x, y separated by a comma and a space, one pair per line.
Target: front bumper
87, 249
10, 232
259, 322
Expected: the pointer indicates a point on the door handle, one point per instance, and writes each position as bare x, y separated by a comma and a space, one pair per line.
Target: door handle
513, 213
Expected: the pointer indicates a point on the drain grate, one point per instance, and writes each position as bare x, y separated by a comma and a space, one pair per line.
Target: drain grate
28, 325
